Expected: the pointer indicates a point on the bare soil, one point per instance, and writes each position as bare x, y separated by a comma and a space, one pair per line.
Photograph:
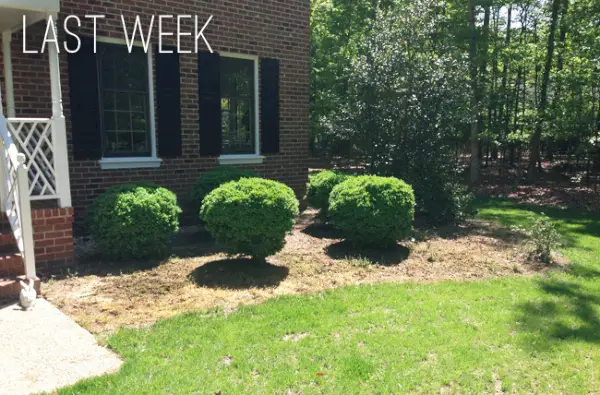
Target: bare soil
103, 297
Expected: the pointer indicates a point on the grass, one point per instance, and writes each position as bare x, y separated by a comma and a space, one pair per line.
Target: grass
537, 334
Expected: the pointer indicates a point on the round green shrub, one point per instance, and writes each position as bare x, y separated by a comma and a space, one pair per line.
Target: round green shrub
213, 179
372, 210
250, 216
319, 187
134, 221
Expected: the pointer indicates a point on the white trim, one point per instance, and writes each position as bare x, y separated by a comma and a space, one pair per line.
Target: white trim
249, 159
8, 74
32, 5
256, 107
142, 162
120, 41
151, 102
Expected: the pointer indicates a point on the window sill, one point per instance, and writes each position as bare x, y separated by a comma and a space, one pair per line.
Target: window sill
251, 159
129, 163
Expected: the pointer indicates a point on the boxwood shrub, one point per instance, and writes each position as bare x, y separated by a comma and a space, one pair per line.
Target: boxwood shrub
213, 179
250, 216
319, 187
372, 210
134, 221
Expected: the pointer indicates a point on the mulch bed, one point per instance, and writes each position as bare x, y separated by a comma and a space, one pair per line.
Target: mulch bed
104, 297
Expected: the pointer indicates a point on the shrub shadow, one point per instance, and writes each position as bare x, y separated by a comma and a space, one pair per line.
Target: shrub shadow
388, 256
477, 227
101, 267
238, 274
322, 231
190, 242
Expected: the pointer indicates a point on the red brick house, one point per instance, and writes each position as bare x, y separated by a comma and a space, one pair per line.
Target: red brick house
74, 124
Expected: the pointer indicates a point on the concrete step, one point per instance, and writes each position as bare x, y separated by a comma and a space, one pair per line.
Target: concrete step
10, 287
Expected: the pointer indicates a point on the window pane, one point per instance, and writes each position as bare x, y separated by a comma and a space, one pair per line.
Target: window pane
237, 77
122, 101
109, 100
138, 102
110, 141
124, 142
238, 136
123, 121
140, 143
237, 105
225, 114
124, 93
109, 121
138, 121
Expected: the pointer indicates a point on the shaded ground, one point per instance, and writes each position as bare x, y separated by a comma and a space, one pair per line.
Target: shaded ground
561, 183
104, 297
558, 196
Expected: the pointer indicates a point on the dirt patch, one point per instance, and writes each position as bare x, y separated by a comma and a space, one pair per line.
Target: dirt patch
104, 298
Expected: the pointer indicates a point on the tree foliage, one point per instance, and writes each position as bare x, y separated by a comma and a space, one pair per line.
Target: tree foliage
402, 85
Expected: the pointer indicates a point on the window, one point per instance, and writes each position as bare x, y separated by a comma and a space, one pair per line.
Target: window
238, 105
124, 101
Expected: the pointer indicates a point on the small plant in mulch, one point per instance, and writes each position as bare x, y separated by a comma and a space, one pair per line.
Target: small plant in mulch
359, 261
543, 238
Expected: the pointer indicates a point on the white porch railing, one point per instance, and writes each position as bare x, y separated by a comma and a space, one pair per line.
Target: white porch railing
33, 151
14, 196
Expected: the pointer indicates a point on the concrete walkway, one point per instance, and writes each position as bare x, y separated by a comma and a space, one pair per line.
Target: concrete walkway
43, 349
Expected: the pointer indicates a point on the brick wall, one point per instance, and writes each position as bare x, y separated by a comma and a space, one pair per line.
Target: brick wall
53, 237
267, 28
53, 240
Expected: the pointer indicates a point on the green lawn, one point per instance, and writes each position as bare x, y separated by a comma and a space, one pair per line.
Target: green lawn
539, 335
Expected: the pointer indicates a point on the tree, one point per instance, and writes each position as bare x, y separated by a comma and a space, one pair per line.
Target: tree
531, 80
475, 160
534, 156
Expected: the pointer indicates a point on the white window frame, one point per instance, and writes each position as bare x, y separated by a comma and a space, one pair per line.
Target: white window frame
143, 162
256, 157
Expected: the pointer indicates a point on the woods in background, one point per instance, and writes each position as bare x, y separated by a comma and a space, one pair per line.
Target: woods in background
410, 87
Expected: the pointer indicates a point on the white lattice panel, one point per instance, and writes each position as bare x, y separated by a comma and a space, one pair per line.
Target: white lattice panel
34, 138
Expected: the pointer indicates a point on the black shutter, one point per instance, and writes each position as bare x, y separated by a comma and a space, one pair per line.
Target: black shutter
209, 92
269, 99
168, 103
84, 101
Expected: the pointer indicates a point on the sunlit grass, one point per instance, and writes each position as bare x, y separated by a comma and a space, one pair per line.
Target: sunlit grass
528, 335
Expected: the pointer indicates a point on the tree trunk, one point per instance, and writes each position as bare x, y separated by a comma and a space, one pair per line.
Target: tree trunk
505, 67
562, 38
537, 136
483, 82
475, 161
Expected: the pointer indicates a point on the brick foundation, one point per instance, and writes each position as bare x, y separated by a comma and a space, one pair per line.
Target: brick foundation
53, 237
